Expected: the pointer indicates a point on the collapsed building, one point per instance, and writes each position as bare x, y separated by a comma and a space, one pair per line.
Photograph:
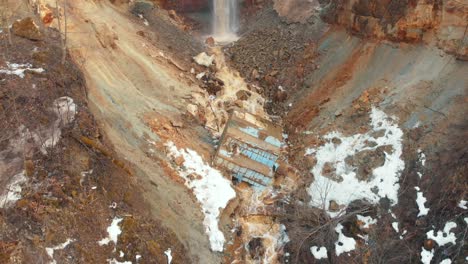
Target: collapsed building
249, 149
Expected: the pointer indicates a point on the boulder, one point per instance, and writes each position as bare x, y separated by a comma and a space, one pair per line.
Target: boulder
141, 6
26, 28
203, 59
210, 41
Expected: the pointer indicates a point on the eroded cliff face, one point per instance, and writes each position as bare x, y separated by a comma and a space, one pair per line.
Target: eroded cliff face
441, 22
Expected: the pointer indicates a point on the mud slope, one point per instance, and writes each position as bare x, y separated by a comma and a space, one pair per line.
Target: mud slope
128, 77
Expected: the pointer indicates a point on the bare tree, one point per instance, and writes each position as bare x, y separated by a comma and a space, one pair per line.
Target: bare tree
5, 14
63, 34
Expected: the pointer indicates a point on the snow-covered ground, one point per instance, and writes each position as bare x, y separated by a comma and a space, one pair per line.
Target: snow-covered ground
421, 200
344, 244
19, 69
113, 232
319, 252
13, 190
50, 251
211, 189
383, 181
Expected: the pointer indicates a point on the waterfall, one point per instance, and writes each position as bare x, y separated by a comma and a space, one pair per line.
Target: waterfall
225, 20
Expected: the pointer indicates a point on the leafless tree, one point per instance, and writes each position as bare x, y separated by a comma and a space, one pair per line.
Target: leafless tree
63, 33
5, 14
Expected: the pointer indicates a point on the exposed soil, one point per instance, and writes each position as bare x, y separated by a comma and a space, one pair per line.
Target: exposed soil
79, 186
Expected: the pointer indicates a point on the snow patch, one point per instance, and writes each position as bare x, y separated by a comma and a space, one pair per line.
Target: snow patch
395, 227
13, 190
114, 261
422, 157
366, 220
19, 69
319, 252
426, 256
50, 251
383, 181
344, 243
421, 200
168, 254
113, 232
446, 261
211, 189
445, 236
462, 204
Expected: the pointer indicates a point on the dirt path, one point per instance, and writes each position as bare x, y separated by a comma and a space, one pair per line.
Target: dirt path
127, 77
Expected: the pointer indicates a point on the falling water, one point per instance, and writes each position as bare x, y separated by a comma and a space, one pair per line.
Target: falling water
225, 20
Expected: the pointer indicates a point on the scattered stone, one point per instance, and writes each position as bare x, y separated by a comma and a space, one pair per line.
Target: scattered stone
243, 95
26, 28
204, 60
255, 75
179, 160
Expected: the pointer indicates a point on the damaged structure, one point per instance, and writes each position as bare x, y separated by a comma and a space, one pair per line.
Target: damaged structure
249, 148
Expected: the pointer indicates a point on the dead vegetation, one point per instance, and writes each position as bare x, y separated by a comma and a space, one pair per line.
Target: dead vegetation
76, 188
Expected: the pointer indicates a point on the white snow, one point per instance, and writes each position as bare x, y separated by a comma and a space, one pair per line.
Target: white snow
211, 189
50, 251
426, 256
13, 190
203, 59
384, 179
113, 232
421, 200
19, 69
422, 157
366, 220
446, 261
114, 261
344, 243
462, 204
395, 226
168, 254
445, 236
65, 109
319, 252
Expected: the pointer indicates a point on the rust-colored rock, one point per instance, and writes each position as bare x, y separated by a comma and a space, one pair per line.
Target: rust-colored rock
210, 41
26, 28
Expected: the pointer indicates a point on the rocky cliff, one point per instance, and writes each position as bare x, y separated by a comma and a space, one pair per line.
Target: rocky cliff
443, 23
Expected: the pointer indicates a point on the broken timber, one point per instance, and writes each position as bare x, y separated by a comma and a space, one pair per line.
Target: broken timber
249, 148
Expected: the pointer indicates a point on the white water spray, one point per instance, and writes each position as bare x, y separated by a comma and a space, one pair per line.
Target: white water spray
225, 20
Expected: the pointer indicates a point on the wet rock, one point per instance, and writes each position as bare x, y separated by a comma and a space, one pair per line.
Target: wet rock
210, 41
26, 28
